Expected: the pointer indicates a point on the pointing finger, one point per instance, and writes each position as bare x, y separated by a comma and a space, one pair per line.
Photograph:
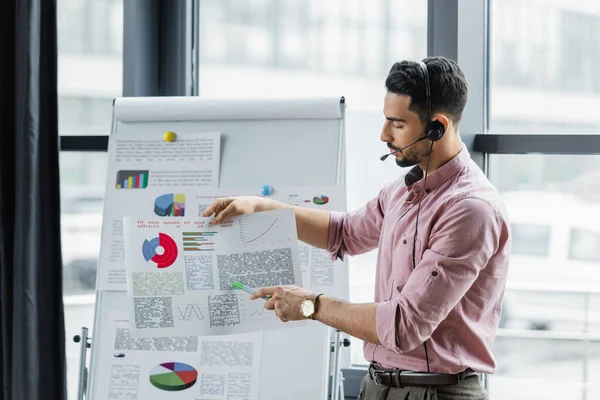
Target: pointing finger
262, 292
268, 291
210, 209
222, 215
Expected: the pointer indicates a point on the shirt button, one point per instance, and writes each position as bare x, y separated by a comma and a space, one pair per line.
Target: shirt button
404, 241
434, 273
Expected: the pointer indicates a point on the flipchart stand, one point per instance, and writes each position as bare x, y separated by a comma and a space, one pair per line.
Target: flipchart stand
194, 114
86, 343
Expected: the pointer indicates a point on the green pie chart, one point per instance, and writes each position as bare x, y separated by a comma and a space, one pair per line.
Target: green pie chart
173, 376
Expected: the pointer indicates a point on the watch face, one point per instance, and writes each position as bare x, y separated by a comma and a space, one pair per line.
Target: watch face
307, 308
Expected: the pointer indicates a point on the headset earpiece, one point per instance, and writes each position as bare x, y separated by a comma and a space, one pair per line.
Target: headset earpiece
435, 131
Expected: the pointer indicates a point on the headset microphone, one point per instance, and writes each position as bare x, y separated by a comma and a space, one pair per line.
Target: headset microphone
383, 158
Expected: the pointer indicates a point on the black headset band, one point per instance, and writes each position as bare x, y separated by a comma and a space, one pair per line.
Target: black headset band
427, 90
433, 130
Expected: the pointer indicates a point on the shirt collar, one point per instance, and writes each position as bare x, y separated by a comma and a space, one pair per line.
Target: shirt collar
440, 175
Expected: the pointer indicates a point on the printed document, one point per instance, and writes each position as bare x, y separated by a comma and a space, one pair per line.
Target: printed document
180, 272
182, 367
138, 165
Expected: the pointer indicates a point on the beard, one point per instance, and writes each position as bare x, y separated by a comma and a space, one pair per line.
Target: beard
414, 156
405, 162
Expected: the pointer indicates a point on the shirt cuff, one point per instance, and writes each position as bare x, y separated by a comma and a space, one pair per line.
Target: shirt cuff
385, 323
335, 241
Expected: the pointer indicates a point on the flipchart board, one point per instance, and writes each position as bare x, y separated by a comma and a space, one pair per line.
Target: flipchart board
285, 142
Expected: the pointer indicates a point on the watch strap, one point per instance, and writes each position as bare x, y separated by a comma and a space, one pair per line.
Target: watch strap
314, 298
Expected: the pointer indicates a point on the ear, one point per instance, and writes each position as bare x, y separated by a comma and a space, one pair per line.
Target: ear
444, 120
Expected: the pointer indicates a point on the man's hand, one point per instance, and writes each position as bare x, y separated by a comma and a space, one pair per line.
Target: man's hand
228, 207
285, 300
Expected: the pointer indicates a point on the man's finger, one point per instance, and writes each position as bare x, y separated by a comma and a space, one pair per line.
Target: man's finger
264, 292
210, 209
217, 206
270, 305
224, 214
278, 310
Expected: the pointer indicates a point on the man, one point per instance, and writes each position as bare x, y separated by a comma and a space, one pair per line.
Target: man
443, 242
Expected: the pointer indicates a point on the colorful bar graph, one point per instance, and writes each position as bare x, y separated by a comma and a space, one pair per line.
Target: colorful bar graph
132, 179
198, 241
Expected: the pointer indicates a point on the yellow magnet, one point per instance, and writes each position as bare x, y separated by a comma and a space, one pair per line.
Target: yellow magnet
169, 136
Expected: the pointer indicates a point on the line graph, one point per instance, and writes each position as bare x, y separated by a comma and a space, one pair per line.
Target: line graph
257, 314
256, 229
253, 311
264, 233
189, 312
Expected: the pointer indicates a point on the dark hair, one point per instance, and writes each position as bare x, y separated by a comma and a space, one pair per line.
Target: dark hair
447, 84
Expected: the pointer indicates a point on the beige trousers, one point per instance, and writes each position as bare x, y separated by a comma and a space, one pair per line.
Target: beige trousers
468, 389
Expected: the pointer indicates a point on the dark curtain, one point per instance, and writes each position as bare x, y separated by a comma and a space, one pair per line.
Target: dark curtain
32, 337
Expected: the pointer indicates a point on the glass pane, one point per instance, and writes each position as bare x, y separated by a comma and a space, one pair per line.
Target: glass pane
90, 42
90, 46
288, 48
552, 299
584, 245
543, 66
541, 369
82, 177
530, 239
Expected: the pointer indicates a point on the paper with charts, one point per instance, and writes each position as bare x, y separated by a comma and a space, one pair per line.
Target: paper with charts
138, 164
175, 367
180, 272
320, 273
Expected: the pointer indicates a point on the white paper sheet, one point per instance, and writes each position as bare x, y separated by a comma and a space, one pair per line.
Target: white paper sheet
182, 367
180, 272
139, 164
319, 272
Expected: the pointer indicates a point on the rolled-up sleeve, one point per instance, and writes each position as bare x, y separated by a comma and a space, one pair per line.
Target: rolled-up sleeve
460, 246
358, 231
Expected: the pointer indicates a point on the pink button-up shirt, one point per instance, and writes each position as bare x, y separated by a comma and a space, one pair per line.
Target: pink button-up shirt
453, 298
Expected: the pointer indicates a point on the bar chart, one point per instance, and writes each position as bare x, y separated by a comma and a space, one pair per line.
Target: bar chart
198, 241
132, 179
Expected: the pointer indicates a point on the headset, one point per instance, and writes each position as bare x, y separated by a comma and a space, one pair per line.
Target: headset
434, 130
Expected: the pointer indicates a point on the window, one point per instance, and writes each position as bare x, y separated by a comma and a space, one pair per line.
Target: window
552, 297
542, 66
313, 48
529, 239
90, 37
90, 42
584, 245
86, 27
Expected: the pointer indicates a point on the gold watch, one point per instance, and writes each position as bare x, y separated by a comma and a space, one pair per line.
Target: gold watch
308, 307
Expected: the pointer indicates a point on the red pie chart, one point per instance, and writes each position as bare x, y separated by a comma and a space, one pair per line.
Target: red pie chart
162, 250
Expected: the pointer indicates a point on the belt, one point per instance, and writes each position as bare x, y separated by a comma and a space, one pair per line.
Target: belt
399, 378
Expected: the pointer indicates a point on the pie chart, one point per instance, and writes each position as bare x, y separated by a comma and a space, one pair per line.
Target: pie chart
162, 250
170, 205
321, 200
173, 376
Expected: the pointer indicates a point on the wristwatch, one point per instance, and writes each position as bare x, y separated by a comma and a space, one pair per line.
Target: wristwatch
308, 307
